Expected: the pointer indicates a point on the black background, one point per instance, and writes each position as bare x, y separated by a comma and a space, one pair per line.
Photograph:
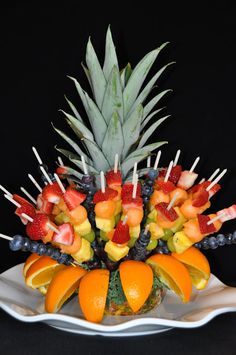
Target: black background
41, 44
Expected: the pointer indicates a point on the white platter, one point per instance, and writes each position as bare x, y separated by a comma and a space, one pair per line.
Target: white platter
27, 305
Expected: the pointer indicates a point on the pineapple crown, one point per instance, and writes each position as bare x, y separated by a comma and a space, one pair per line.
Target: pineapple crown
119, 114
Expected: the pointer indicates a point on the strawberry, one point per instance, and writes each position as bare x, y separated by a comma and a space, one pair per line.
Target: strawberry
127, 190
43, 205
61, 170
113, 179
65, 235
27, 209
200, 197
38, 228
129, 202
22, 201
109, 194
230, 213
213, 190
186, 179
203, 226
166, 187
121, 234
52, 193
73, 198
175, 173
170, 214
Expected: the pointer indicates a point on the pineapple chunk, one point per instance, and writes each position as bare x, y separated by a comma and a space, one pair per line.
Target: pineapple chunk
181, 242
83, 228
106, 225
116, 252
118, 207
134, 231
156, 231
153, 215
85, 252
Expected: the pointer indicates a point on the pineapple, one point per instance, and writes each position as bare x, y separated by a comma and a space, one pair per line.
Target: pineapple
118, 113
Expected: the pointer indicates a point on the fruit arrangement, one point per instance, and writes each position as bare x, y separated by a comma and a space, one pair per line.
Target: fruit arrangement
114, 234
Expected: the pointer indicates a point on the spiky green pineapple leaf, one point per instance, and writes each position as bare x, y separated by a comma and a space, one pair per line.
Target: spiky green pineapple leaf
125, 75
67, 153
87, 73
138, 155
113, 98
147, 89
96, 74
148, 107
80, 128
79, 164
80, 92
149, 117
73, 109
113, 141
147, 134
131, 129
110, 55
137, 78
99, 160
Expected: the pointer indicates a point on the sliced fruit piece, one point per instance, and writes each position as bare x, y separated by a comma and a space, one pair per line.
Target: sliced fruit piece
230, 213
129, 202
192, 230
52, 193
214, 188
178, 224
48, 237
45, 206
41, 272
127, 190
169, 214
181, 197
62, 205
134, 231
118, 207
117, 252
134, 217
89, 236
113, 179
121, 234
62, 286
181, 242
203, 226
173, 274
156, 231
189, 211
93, 291
38, 228
158, 196
136, 280
186, 179
100, 196
197, 266
29, 261
84, 253
61, 218
78, 215
27, 209
74, 247
55, 210
200, 198
105, 224
22, 201
152, 244
105, 209
166, 187
175, 174
167, 234
73, 198
153, 215
65, 235
83, 228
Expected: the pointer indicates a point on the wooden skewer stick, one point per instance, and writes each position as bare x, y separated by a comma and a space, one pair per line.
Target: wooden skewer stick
203, 179
168, 171
9, 198
194, 164
216, 179
60, 183
46, 175
5, 236
54, 229
157, 160
116, 163
216, 218
135, 186
35, 182
27, 217
171, 203
28, 195
177, 157
149, 162
125, 220
5, 190
213, 175
84, 165
134, 172
102, 177
60, 161
37, 155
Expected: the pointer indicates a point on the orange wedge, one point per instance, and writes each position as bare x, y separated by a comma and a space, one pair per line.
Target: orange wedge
41, 272
197, 265
173, 274
62, 286
136, 280
29, 261
93, 293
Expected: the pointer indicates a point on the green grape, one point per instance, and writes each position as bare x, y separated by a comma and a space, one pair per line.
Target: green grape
167, 234
90, 236
170, 244
152, 244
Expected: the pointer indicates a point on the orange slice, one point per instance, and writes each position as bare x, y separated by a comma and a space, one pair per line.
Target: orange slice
136, 280
29, 261
173, 274
197, 265
62, 286
93, 293
41, 272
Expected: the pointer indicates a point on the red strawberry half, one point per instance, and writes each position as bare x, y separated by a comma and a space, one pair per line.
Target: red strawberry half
127, 190
170, 214
113, 179
73, 198
27, 209
52, 193
229, 213
200, 197
22, 201
100, 196
166, 187
175, 174
203, 226
129, 202
43, 205
38, 228
213, 190
121, 234
65, 235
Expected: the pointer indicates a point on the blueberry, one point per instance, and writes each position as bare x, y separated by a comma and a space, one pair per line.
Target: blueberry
165, 249
149, 182
161, 243
26, 244
153, 174
87, 179
147, 190
198, 245
221, 240
145, 199
62, 258
49, 250
34, 247
234, 238
42, 249
213, 244
159, 250
228, 239
55, 254
205, 244
16, 243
